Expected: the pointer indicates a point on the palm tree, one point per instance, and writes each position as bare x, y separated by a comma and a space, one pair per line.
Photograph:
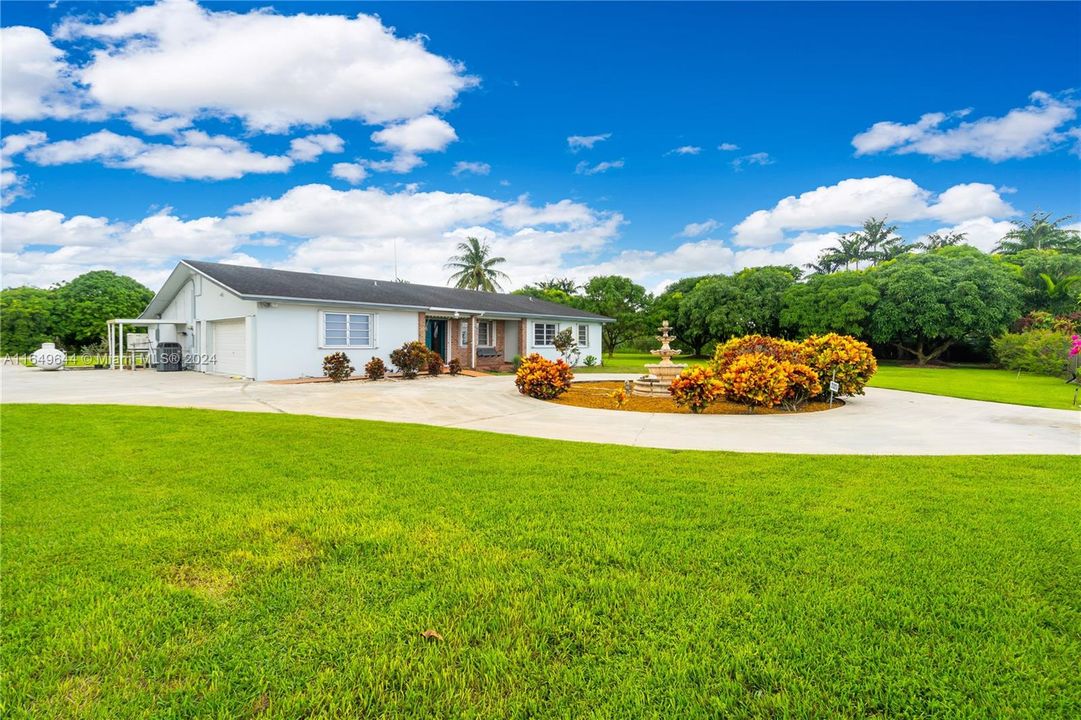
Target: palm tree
878, 242
475, 269
934, 241
1039, 233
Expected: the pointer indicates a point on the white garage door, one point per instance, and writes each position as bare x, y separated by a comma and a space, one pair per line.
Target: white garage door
229, 347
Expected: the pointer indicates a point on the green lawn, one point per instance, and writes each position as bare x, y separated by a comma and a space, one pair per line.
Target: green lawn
166, 563
628, 362
979, 384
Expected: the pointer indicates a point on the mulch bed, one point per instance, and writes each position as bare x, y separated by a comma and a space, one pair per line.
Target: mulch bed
598, 395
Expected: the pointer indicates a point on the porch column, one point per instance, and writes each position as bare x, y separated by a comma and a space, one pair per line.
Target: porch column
523, 327
422, 319
473, 342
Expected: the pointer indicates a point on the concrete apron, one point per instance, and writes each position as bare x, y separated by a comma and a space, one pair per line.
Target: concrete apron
879, 423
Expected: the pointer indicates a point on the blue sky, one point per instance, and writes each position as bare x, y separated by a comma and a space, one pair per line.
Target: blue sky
135, 134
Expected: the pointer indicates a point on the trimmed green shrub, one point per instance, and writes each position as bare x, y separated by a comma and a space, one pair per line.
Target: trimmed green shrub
376, 369
337, 367
1044, 352
590, 361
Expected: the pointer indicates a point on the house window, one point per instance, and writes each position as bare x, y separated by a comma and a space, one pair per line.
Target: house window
463, 333
544, 334
485, 333
583, 336
347, 330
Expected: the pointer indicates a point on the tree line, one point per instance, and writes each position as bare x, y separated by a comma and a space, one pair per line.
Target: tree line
911, 300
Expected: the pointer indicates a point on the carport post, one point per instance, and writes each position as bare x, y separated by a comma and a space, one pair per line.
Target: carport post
120, 344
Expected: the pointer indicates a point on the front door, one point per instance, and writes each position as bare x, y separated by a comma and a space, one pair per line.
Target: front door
435, 336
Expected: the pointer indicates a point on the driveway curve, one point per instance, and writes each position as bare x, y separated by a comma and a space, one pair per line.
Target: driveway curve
883, 422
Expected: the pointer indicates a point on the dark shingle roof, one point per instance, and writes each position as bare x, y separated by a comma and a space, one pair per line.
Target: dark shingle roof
261, 283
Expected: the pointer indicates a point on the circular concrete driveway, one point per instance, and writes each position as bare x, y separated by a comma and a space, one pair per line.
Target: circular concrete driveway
881, 422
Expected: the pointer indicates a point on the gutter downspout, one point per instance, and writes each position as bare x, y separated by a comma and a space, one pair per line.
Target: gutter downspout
473, 342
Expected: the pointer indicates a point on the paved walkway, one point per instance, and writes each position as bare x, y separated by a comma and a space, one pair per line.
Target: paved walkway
882, 422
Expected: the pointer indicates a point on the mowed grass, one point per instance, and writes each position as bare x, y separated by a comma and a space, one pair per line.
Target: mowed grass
166, 563
632, 362
1005, 386
972, 383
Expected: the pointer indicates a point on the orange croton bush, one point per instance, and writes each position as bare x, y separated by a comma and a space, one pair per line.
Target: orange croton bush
543, 379
852, 360
755, 380
696, 388
775, 348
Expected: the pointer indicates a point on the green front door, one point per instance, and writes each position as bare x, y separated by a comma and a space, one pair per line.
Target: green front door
435, 336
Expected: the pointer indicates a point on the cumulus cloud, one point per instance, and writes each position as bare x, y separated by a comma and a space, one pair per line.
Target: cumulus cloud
352, 173
34, 80
12, 184
470, 168
685, 150
585, 142
1022, 132
407, 140
584, 168
323, 229
758, 158
728, 147
310, 147
175, 59
196, 155
850, 202
696, 229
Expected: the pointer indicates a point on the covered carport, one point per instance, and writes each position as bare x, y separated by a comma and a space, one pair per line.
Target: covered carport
118, 347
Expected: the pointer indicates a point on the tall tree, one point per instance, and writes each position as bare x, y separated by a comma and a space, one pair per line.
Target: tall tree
935, 240
475, 268
840, 303
929, 302
619, 298
82, 306
669, 306
1062, 295
877, 242
762, 289
26, 319
1040, 233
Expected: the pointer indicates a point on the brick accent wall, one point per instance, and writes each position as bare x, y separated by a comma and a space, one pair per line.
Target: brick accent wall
523, 328
500, 329
421, 327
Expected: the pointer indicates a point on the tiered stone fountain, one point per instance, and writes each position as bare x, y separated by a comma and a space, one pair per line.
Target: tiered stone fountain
663, 373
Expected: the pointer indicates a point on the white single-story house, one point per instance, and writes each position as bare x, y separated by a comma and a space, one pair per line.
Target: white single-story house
275, 324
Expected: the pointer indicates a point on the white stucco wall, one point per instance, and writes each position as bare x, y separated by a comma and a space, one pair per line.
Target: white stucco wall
287, 339
594, 347
211, 302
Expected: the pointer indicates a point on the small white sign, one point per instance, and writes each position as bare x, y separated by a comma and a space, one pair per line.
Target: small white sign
834, 386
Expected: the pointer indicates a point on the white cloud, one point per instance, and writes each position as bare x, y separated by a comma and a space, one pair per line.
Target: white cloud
463, 167
352, 173
758, 158
728, 147
584, 168
564, 212
580, 142
407, 140
685, 150
12, 184
196, 155
850, 202
177, 59
696, 229
34, 80
1022, 132
310, 147
351, 231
